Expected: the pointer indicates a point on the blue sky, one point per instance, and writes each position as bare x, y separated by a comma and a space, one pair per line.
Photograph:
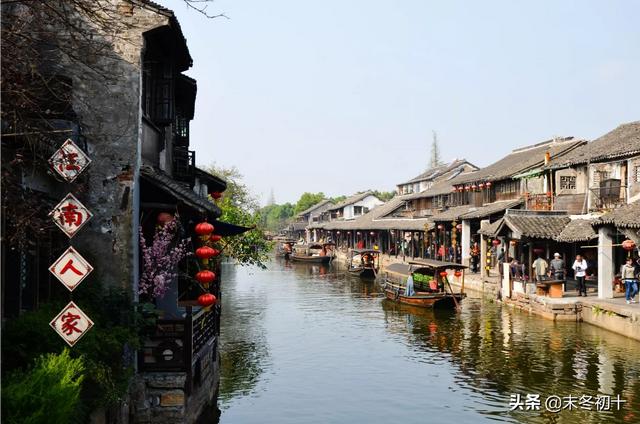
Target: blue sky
342, 96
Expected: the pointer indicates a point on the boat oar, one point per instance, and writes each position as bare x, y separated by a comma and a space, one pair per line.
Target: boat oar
455, 301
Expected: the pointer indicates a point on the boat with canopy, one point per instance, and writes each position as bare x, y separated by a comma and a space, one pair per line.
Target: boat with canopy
425, 283
313, 252
365, 263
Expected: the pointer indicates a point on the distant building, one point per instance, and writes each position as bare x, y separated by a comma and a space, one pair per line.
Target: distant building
425, 180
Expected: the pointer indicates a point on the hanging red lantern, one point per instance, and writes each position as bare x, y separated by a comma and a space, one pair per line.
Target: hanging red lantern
481, 185
206, 252
205, 277
513, 242
443, 273
467, 188
495, 242
164, 218
628, 245
458, 274
459, 227
488, 184
473, 186
206, 300
204, 229
216, 195
215, 238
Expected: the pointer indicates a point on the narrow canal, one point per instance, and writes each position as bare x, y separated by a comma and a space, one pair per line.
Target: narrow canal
309, 344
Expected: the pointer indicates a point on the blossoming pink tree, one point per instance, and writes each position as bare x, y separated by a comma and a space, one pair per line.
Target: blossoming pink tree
160, 260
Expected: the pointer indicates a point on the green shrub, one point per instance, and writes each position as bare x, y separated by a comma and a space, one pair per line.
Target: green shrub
47, 393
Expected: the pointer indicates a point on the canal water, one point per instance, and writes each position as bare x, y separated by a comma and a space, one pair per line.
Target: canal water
308, 344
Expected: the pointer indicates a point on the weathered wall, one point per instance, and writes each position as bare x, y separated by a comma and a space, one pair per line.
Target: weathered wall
107, 104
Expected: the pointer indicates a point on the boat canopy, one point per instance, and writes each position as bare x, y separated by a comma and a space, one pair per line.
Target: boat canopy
319, 245
432, 263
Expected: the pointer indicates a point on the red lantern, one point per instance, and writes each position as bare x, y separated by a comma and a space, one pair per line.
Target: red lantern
203, 229
216, 195
206, 252
467, 188
215, 238
205, 277
481, 185
459, 227
473, 186
513, 242
495, 242
628, 245
164, 218
458, 274
443, 273
206, 300
488, 184
440, 227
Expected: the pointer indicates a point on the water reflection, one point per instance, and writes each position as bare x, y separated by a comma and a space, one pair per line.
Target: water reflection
310, 343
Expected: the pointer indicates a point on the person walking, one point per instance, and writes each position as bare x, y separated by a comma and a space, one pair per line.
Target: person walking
629, 275
540, 268
556, 268
580, 267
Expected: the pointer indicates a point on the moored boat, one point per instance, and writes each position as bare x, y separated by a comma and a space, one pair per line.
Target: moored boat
284, 247
365, 263
313, 252
424, 283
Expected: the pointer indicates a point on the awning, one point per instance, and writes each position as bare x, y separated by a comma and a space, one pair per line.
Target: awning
180, 192
225, 229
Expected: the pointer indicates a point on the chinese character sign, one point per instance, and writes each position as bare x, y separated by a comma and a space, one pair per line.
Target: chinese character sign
70, 215
71, 324
69, 161
71, 268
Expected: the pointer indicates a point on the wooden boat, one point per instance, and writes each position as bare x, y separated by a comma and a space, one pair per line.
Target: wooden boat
284, 247
431, 282
365, 263
317, 253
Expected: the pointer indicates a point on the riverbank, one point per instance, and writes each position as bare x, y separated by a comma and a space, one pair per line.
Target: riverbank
610, 314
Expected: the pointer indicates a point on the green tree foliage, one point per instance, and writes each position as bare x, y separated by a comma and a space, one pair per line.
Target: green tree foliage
47, 393
385, 196
276, 217
240, 207
307, 200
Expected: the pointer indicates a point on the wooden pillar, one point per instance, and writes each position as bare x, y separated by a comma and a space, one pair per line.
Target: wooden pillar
466, 242
483, 250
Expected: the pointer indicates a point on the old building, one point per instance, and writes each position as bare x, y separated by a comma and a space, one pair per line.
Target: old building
129, 110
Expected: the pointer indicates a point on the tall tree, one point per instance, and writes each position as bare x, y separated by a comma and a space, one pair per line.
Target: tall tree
435, 152
307, 200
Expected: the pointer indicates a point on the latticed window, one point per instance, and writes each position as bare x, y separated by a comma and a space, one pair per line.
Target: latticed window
567, 183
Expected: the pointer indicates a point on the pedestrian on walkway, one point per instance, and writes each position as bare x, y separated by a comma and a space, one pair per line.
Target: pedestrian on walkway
557, 268
630, 277
540, 268
580, 267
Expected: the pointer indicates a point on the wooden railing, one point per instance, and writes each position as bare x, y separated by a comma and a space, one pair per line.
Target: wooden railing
178, 345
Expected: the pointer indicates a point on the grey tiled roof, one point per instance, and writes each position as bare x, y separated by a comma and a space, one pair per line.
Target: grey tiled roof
178, 190
577, 230
627, 216
351, 199
314, 207
537, 226
623, 141
451, 214
491, 229
491, 208
521, 160
433, 173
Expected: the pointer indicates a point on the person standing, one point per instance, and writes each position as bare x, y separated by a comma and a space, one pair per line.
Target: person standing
629, 275
556, 268
580, 267
540, 268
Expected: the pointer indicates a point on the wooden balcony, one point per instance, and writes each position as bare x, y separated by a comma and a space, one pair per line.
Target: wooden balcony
184, 164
